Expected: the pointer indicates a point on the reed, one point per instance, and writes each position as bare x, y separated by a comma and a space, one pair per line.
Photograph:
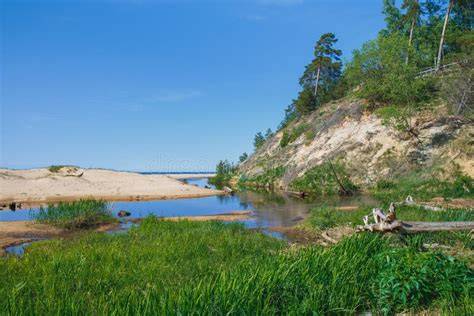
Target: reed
84, 213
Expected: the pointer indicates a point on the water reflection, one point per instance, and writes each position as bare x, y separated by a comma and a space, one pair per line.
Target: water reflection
271, 209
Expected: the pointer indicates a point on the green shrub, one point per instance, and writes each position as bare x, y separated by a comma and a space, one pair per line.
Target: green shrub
84, 213
55, 168
410, 280
321, 180
268, 178
423, 185
290, 136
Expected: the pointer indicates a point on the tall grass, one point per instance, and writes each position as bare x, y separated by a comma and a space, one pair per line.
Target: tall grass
162, 268
77, 214
327, 217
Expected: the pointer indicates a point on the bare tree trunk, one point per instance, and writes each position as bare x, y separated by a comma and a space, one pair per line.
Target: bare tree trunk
441, 42
413, 23
317, 82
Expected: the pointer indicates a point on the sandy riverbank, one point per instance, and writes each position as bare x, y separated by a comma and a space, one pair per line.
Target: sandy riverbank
41, 185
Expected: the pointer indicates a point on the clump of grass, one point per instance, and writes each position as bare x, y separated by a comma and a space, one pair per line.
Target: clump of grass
290, 136
55, 168
162, 268
84, 213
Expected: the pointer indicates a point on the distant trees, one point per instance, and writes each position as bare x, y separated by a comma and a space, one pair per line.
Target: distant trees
258, 140
243, 157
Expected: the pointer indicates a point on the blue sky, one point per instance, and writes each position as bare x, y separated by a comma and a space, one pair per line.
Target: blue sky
157, 85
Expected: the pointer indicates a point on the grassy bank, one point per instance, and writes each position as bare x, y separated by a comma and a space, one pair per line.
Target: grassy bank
84, 213
214, 268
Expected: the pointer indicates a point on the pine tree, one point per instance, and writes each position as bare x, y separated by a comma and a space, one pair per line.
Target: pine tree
323, 72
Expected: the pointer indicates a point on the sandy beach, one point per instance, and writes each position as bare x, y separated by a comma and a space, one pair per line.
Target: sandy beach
71, 183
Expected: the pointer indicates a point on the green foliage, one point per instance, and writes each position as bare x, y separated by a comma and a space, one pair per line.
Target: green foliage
224, 172
55, 168
268, 134
166, 268
258, 141
290, 136
328, 217
84, 213
290, 116
380, 71
394, 116
410, 280
309, 135
267, 179
321, 180
243, 157
423, 185
306, 101
324, 71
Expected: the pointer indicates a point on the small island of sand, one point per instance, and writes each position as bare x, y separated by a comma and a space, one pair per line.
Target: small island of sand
71, 183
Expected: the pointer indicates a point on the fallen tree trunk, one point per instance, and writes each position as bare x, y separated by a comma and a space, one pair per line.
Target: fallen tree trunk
416, 227
297, 193
419, 227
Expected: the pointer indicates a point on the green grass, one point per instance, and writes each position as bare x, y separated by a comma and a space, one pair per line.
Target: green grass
162, 268
55, 168
290, 136
320, 180
327, 217
267, 179
84, 213
422, 185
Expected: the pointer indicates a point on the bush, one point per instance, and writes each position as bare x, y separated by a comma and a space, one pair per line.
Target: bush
410, 280
268, 178
55, 168
379, 69
321, 180
290, 136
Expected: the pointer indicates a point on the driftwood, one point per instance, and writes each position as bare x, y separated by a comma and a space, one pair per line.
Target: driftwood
228, 190
389, 223
419, 227
297, 193
326, 237
409, 201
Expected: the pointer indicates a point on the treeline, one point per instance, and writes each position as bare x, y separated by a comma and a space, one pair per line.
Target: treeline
386, 71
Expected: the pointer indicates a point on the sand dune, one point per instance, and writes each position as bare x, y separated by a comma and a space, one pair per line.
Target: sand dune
70, 183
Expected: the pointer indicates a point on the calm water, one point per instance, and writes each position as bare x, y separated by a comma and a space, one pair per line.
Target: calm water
271, 209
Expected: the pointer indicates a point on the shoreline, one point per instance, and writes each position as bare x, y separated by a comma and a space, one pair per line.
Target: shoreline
41, 186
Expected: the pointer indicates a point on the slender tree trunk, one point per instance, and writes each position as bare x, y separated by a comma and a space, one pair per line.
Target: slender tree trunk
441, 42
317, 82
413, 23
